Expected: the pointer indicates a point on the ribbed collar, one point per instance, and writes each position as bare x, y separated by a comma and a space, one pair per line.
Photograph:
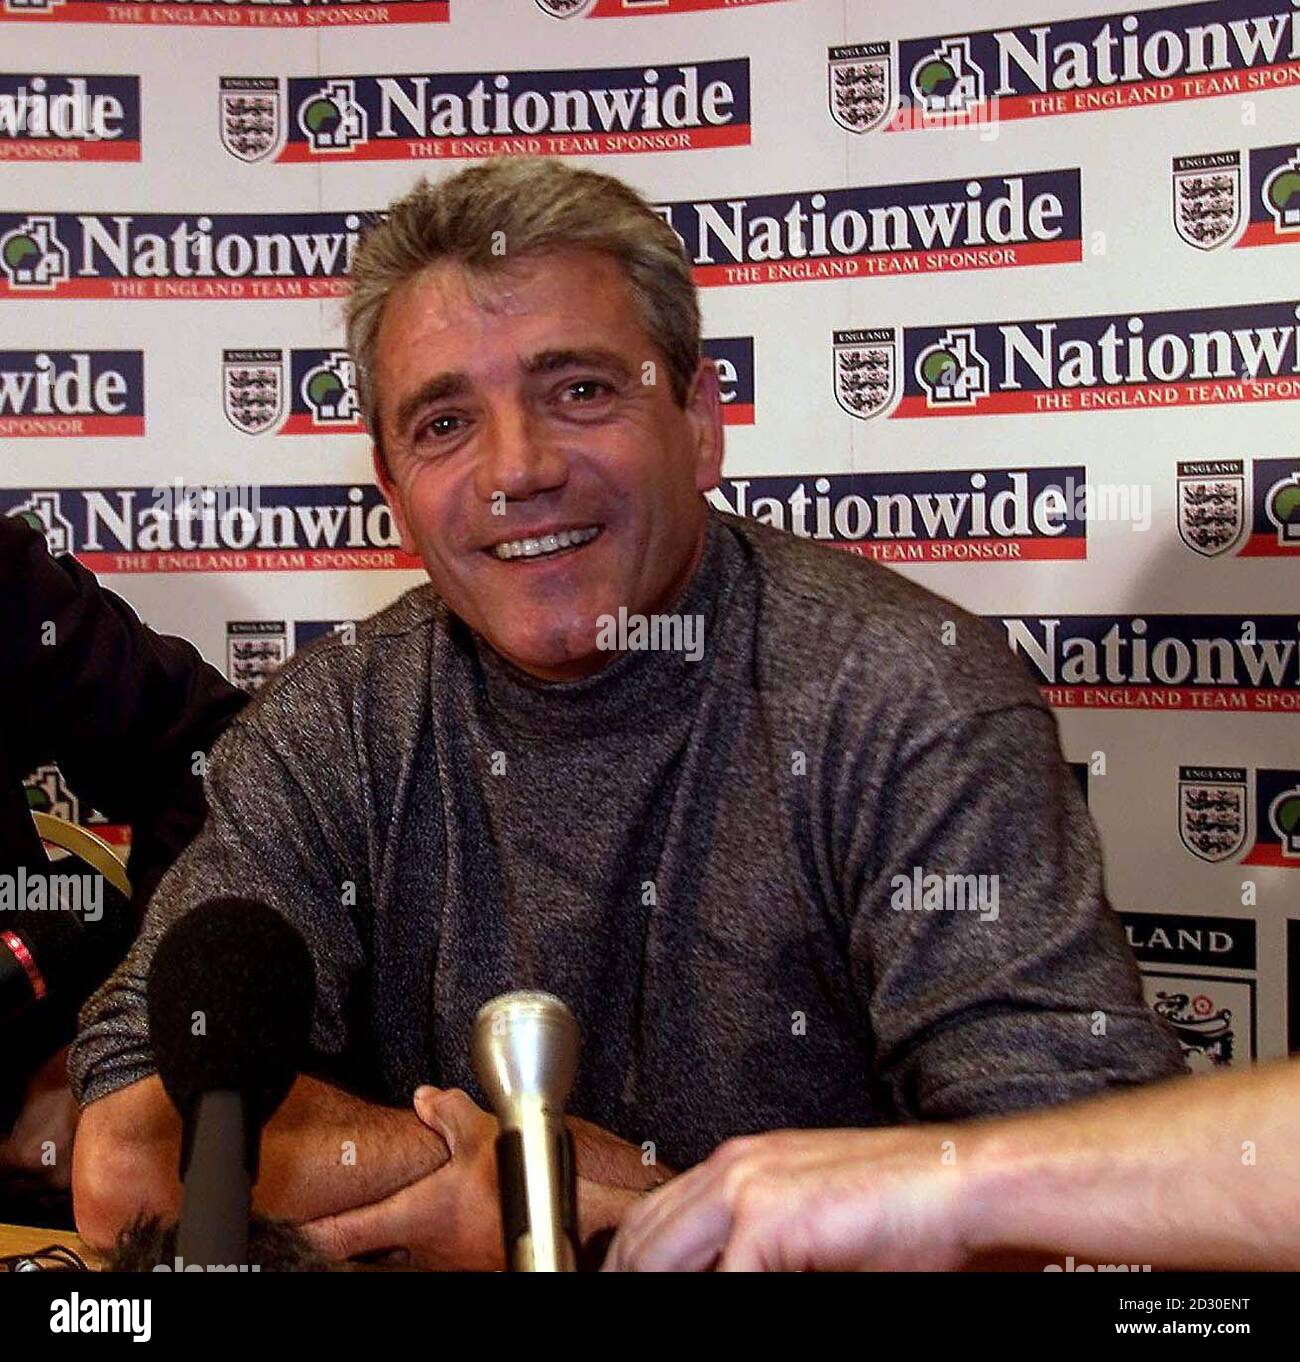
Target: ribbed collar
636, 685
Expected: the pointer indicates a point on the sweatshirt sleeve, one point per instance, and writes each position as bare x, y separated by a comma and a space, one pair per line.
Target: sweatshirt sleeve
280, 830
994, 972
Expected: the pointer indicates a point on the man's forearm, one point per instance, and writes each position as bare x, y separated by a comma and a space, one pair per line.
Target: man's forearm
604, 1158
324, 1151
1193, 1172
612, 1176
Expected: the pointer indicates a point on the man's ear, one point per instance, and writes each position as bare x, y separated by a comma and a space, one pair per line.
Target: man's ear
389, 489
704, 413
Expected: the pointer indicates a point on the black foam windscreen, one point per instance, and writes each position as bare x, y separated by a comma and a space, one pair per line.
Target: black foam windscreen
231, 990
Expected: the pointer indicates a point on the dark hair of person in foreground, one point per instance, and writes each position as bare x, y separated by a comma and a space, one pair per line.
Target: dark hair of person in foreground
273, 1246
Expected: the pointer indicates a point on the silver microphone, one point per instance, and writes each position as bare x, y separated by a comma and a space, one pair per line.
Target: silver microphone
524, 1048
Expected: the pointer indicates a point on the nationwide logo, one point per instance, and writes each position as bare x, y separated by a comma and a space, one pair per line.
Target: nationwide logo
990, 515
313, 392
1248, 353
307, 632
71, 393
1275, 196
48, 792
229, 13
215, 529
1182, 662
1212, 207
177, 255
994, 222
1277, 820
1038, 70
734, 358
578, 112
622, 9
1222, 509
69, 118
1225, 810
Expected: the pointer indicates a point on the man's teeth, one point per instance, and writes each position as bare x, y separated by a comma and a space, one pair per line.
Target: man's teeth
547, 543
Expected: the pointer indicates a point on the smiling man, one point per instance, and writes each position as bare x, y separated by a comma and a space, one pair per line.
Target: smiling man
555, 476
703, 849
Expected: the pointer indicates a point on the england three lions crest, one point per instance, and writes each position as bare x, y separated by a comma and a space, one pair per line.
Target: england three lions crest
1213, 802
252, 389
563, 9
254, 649
863, 94
1204, 1029
1212, 505
1208, 200
867, 371
250, 116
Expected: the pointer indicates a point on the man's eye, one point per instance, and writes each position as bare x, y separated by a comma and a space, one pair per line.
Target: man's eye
585, 390
440, 426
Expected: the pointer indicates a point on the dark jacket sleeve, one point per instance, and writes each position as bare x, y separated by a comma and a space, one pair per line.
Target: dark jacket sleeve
122, 710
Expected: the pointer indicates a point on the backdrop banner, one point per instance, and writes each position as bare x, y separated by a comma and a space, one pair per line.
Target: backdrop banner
1071, 232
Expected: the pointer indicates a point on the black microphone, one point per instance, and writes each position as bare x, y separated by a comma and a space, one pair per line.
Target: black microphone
231, 990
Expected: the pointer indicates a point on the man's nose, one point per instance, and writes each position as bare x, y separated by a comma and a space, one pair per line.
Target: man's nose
517, 458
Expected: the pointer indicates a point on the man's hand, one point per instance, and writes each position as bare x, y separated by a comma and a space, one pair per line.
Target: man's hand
801, 1200
39, 1147
128, 1147
450, 1218
1102, 1179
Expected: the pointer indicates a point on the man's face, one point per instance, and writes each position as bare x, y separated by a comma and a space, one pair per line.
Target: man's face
536, 405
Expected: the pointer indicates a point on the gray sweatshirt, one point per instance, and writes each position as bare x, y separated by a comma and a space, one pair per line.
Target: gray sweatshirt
755, 876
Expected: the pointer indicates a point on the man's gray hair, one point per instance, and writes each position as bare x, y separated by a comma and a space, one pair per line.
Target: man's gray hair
492, 216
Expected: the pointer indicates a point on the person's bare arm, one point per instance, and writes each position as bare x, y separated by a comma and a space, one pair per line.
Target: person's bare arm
38, 1150
604, 1158
1197, 1172
451, 1219
323, 1152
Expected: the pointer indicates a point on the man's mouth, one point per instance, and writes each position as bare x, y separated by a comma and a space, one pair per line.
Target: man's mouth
545, 545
